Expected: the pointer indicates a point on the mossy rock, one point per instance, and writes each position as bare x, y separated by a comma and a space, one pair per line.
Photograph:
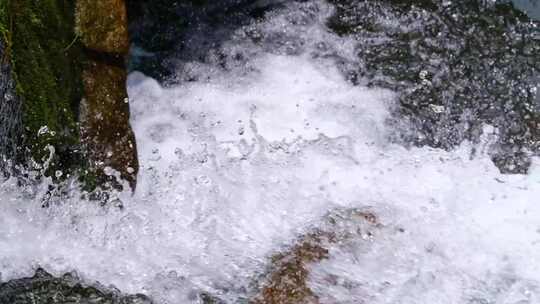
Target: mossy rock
10, 107
46, 58
62, 52
10, 113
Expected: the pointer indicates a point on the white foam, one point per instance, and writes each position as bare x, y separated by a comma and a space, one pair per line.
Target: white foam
235, 166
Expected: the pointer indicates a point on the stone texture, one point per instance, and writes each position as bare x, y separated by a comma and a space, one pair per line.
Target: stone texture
105, 128
10, 113
47, 48
456, 65
43, 288
102, 25
287, 279
107, 136
45, 63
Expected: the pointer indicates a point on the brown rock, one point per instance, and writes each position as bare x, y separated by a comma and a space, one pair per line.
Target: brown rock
287, 282
105, 128
102, 25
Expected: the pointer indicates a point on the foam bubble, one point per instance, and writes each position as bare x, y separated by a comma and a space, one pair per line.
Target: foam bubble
237, 164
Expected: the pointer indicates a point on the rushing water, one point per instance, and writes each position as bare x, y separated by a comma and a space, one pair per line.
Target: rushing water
251, 148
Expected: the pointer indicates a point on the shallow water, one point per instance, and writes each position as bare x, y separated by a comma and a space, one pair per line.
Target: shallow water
249, 152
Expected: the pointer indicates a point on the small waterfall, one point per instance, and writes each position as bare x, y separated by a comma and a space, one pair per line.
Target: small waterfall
336, 151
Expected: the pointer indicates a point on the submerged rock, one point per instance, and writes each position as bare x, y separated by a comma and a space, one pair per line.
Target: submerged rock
43, 288
287, 279
457, 65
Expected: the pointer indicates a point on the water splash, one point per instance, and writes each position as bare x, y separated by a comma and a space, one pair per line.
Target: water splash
241, 159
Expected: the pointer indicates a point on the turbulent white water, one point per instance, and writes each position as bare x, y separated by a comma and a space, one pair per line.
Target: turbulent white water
238, 163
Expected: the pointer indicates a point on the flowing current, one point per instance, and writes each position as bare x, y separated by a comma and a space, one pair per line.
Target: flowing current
242, 155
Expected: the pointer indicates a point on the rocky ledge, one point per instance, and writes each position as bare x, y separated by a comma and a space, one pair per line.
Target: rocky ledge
457, 65
64, 103
43, 288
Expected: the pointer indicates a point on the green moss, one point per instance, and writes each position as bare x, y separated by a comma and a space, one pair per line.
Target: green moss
4, 22
47, 62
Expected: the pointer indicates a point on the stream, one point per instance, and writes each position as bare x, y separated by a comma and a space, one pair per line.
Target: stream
304, 110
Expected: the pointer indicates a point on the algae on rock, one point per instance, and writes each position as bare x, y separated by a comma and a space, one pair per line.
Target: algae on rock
10, 106
48, 82
10, 120
58, 53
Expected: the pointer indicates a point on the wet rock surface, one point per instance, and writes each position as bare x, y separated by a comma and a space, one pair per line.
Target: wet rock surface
10, 112
457, 65
434, 56
43, 288
287, 279
102, 25
45, 63
285, 282
106, 132
57, 58
105, 129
